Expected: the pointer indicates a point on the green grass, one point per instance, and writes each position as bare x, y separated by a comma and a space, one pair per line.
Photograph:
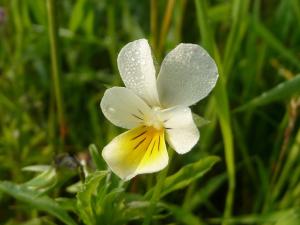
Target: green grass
58, 57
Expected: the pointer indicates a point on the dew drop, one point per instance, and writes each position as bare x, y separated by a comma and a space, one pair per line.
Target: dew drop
111, 109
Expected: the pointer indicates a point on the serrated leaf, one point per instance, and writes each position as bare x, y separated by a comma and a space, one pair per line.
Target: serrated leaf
85, 196
282, 91
43, 203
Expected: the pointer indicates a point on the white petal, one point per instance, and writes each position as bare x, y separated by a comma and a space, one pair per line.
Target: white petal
182, 133
137, 151
123, 107
187, 75
137, 70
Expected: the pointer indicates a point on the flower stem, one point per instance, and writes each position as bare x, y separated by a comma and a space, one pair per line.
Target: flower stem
53, 34
165, 25
153, 23
157, 190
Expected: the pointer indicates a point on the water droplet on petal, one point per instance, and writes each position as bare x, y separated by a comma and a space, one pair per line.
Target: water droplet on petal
111, 109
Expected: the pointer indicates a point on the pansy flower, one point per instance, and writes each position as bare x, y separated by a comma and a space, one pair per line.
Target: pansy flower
155, 110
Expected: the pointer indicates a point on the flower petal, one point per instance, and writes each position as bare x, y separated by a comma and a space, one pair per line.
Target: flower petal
137, 70
137, 151
187, 75
123, 108
182, 133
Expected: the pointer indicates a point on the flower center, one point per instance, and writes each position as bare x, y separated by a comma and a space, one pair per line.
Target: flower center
154, 119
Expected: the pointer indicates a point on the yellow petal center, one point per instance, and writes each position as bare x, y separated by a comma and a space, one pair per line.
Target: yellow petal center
137, 151
145, 138
143, 145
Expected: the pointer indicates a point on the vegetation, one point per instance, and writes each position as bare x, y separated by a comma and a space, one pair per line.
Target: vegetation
58, 57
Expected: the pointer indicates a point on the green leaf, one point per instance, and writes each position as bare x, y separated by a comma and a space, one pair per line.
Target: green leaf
36, 168
44, 180
200, 121
96, 156
186, 175
291, 218
272, 41
85, 196
183, 216
77, 15
43, 203
284, 90
221, 100
101, 202
74, 188
68, 204
283, 217
206, 191
36, 221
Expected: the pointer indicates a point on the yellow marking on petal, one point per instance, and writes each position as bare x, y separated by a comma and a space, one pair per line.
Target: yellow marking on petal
140, 150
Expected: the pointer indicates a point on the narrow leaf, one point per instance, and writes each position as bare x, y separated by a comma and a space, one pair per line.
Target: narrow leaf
96, 156
274, 42
43, 203
184, 216
85, 196
282, 91
200, 121
186, 175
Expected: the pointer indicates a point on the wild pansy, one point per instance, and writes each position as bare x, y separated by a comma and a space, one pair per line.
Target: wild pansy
155, 109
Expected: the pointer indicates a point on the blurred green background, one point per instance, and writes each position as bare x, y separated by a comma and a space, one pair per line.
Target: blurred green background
49, 110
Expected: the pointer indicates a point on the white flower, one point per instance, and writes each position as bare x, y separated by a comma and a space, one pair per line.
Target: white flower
155, 108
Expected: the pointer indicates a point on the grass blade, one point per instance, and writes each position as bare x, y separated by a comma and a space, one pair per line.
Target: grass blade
221, 99
282, 91
186, 175
273, 42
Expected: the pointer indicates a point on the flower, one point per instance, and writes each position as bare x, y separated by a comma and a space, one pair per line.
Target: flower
155, 109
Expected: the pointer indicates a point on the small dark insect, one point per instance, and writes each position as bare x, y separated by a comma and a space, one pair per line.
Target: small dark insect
66, 160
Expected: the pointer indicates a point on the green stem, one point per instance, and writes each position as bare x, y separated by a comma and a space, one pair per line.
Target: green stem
158, 189
165, 26
53, 37
153, 24
221, 103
